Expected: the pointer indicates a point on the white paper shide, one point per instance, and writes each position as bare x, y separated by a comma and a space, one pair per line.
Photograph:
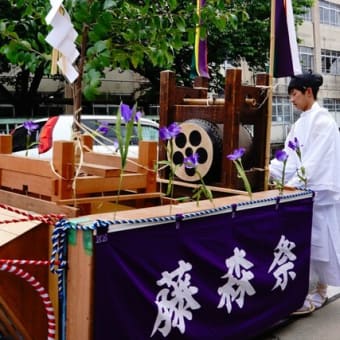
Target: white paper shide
62, 38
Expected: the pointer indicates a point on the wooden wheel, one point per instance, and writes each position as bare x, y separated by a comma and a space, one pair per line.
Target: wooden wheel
201, 137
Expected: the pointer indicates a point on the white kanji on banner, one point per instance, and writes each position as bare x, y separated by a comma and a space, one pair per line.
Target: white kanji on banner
62, 38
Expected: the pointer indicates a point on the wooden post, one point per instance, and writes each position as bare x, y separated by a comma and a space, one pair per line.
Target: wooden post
53, 287
6, 144
147, 158
87, 142
231, 125
79, 309
63, 163
270, 89
167, 96
201, 82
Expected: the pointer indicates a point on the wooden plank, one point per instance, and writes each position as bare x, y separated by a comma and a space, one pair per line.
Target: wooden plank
188, 207
20, 164
6, 144
110, 160
212, 188
100, 170
79, 307
203, 101
213, 113
123, 197
53, 290
92, 184
27, 182
23, 300
39, 206
13, 326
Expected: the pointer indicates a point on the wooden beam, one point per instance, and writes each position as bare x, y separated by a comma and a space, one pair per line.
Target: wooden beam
110, 160
39, 167
27, 182
203, 101
37, 205
94, 184
100, 170
79, 309
6, 144
212, 188
122, 197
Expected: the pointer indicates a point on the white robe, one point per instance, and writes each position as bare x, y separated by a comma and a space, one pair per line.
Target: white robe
319, 138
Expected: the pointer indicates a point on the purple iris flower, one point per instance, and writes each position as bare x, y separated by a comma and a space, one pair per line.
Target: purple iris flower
166, 133
191, 161
30, 126
174, 129
116, 144
126, 112
138, 116
281, 155
294, 145
237, 153
103, 128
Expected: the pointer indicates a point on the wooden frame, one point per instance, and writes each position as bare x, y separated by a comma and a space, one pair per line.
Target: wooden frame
241, 105
56, 186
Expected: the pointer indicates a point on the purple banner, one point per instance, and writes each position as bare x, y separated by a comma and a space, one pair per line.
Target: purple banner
286, 54
224, 275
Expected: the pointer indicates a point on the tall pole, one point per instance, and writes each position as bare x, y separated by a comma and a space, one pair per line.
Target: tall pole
77, 93
270, 93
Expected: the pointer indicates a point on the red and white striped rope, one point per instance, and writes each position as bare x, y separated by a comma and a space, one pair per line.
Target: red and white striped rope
29, 262
51, 329
29, 217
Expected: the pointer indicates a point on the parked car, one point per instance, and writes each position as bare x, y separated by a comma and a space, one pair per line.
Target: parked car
60, 128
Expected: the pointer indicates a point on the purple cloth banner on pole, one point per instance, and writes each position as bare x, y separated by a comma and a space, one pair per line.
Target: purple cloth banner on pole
225, 275
286, 54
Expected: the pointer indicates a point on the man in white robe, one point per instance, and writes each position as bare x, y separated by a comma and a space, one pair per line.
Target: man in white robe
319, 139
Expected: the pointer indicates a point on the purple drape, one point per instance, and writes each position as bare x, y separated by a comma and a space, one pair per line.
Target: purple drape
138, 267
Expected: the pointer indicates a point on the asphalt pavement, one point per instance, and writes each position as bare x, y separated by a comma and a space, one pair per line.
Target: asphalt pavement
322, 324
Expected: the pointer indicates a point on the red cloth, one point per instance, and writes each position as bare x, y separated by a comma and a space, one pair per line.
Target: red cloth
45, 139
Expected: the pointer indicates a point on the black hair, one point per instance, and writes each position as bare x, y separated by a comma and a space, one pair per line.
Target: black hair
302, 81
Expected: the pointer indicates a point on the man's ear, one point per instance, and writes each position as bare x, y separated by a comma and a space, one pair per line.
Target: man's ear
309, 91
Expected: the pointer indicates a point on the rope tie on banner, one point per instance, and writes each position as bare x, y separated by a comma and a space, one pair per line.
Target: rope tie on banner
233, 210
57, 262
179, 218
51, 329
278, 199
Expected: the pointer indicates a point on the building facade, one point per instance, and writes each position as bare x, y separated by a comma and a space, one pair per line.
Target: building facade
319, 50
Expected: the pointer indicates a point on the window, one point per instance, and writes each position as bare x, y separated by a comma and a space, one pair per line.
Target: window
333, 106
329, 13
307, 15
282, 110
105, 109
306, 58
330, 62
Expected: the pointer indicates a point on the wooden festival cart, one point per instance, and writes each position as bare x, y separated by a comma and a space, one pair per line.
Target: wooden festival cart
110, 246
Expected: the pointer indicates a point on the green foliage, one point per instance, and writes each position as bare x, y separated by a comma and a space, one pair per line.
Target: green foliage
145, 36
